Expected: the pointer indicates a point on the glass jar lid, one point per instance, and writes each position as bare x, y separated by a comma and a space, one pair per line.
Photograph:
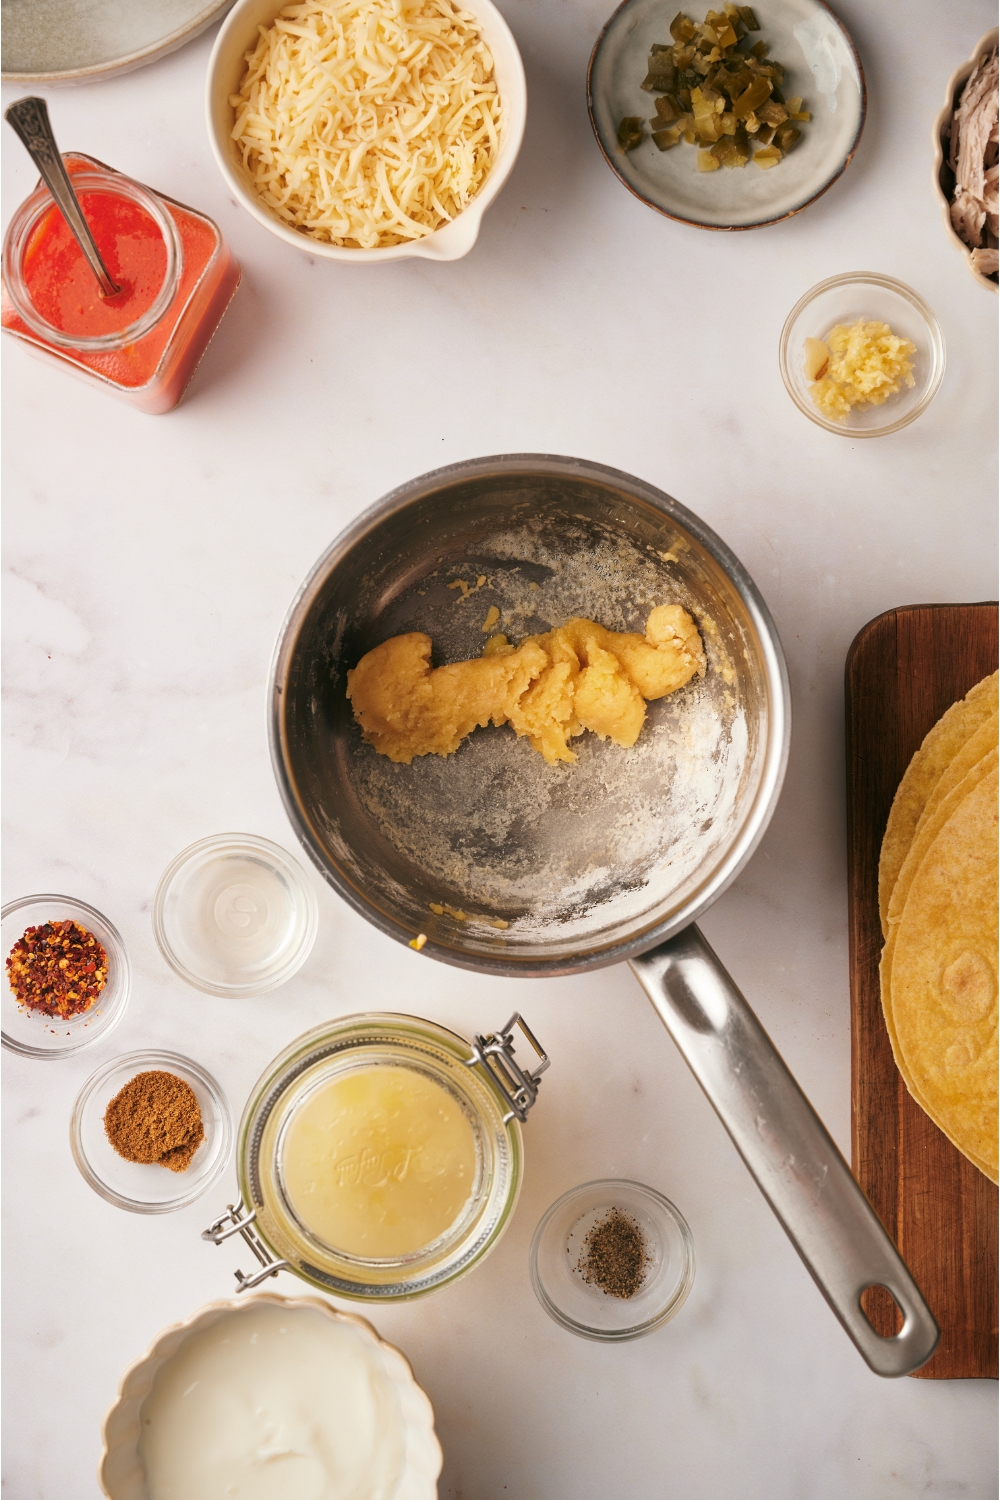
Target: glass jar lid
380, 1156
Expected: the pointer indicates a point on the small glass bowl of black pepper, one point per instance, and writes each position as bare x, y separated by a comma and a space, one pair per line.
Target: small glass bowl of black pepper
149, 1187
612, 1260
29, 1027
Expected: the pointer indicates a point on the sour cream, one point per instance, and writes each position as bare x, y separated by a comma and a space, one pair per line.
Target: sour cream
273, 1403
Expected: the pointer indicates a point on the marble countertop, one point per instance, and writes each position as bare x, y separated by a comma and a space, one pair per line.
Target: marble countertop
149, 563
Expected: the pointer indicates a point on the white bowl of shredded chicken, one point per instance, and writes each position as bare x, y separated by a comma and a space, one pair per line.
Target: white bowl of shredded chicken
367, 130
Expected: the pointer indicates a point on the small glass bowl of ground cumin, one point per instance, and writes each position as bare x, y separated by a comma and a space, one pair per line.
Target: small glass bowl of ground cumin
151, 1131
67, 976
612, 1260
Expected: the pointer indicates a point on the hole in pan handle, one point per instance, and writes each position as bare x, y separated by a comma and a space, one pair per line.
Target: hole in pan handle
786, 1148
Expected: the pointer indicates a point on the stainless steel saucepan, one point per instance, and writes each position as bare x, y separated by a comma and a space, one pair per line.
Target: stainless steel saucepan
512, 866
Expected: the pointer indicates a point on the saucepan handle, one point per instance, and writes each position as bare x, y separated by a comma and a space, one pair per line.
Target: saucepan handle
786, 1148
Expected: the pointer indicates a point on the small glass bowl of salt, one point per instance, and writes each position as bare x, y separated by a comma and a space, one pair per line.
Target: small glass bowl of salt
235, 915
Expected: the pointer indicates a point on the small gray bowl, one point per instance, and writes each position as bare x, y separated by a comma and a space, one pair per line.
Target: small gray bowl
822, 64
63, 41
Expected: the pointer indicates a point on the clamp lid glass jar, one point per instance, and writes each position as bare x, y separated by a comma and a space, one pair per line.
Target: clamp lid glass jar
380, 1156
175, 274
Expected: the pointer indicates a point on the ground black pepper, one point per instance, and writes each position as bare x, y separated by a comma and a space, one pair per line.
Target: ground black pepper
614, 1255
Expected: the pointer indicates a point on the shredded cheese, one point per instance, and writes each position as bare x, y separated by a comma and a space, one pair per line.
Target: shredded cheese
368, 123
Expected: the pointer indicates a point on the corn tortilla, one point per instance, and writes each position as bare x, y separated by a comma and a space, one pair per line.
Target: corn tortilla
885, 978
982, 742
885, 984
941, 994
927, 835
939, 748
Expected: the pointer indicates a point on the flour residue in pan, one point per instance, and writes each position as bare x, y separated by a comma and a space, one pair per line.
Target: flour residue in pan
500, 833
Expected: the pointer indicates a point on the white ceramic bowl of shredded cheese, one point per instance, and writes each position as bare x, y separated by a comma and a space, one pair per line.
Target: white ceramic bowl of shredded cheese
227, 67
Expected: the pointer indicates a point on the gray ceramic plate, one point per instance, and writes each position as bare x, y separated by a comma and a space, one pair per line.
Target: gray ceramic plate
72, 41
821, 64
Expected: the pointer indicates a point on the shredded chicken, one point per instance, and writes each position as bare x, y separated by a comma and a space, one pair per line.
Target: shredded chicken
973, 159
990, 195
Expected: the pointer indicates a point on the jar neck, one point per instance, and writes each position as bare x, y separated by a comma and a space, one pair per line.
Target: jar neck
28, 218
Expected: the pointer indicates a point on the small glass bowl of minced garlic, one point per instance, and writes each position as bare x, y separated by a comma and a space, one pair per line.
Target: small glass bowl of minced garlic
862, 355
612, 1260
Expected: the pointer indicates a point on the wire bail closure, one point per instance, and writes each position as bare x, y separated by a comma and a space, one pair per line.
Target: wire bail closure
236, 1220
495, 1053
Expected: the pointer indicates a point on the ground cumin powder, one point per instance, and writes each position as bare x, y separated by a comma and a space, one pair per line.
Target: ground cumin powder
155, 1118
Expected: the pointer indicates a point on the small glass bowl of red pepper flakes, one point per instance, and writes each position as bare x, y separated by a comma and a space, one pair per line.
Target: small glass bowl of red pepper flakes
54, 1003
57, 968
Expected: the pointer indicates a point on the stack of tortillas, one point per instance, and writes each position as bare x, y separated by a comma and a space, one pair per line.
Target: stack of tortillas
938, 904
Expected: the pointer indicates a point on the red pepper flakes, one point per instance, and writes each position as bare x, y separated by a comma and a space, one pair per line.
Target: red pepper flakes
58, 968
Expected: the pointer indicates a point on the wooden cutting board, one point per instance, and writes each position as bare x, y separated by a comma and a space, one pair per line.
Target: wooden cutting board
903, 670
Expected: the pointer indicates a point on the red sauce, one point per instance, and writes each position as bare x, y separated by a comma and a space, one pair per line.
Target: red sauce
63, 287
153, 371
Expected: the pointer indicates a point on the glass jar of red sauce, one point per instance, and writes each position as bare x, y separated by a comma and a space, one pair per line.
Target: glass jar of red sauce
176, 275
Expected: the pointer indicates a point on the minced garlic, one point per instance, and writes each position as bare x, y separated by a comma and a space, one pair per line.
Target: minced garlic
867, 364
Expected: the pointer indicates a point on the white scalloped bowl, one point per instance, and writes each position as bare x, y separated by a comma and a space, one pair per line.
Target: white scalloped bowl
943, 177
120, 1473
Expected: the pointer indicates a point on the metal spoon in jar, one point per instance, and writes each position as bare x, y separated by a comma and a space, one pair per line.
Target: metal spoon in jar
30, 118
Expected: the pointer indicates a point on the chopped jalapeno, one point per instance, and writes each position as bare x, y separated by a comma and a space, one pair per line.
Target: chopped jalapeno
667, 111
751, 97
717, 89
630, 132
